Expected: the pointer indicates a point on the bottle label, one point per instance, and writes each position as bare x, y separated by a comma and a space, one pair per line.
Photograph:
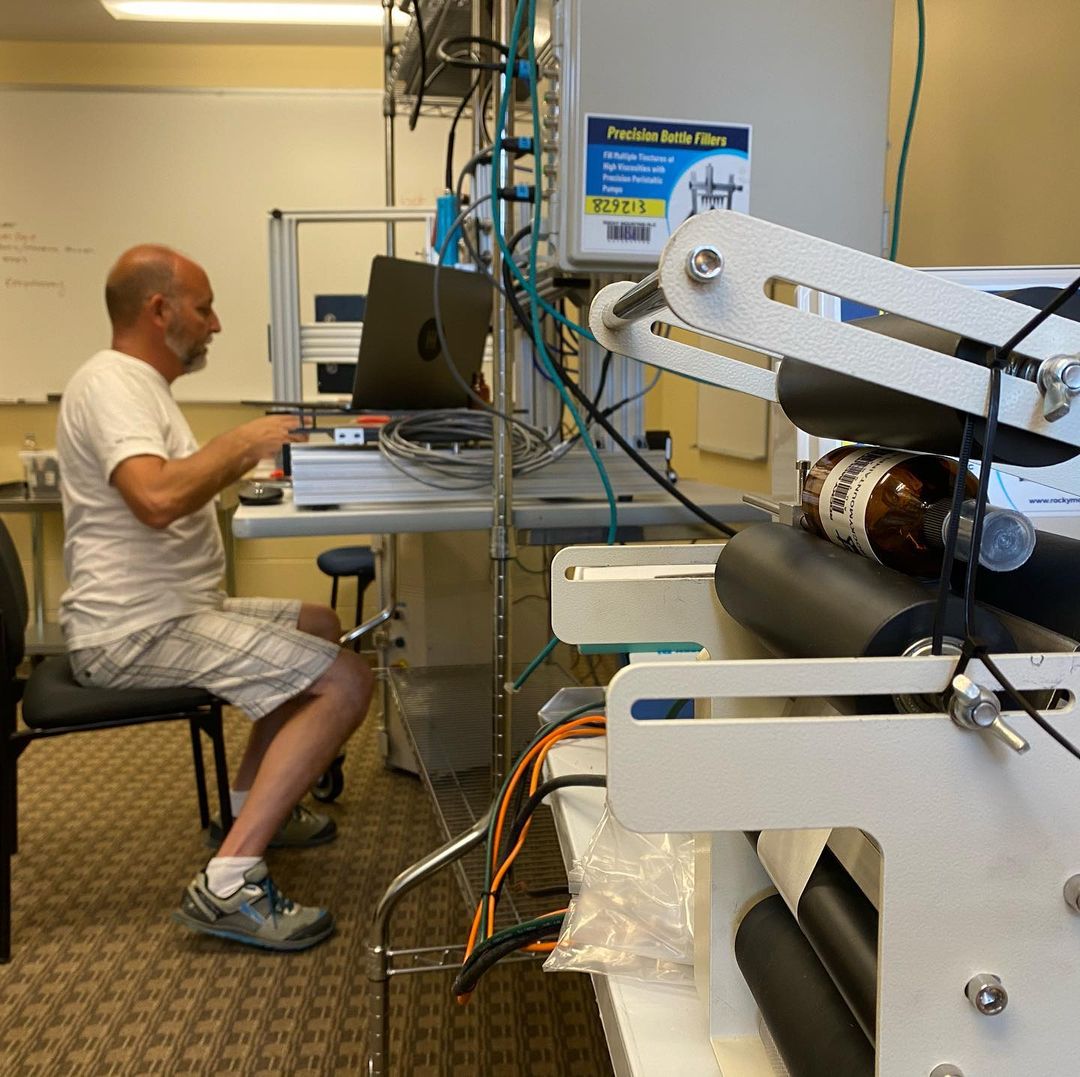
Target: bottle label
846, 491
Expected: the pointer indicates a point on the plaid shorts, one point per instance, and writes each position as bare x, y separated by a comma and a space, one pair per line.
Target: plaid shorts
250, 653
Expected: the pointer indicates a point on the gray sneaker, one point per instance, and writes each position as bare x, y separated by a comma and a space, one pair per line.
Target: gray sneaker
257, 914
303, 827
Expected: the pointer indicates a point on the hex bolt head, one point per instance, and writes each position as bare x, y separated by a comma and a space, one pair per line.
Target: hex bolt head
984, 714
1072, 893
987, 994
704, 263
1070, 374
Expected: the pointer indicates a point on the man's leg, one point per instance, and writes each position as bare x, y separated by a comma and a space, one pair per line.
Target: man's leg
234, 897
319, 621
305, 741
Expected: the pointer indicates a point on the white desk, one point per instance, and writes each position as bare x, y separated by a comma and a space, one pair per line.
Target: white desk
651, 1029
660, 509
42, 637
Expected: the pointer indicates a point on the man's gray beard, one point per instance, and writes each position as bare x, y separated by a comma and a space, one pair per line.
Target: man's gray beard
190, 362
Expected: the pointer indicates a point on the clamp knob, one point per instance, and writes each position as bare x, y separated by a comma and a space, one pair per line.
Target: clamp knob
974, 707
1059, 379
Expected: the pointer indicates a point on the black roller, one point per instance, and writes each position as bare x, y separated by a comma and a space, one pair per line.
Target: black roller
833, 405
806, 598
815, 1032
841, 924
1045, 590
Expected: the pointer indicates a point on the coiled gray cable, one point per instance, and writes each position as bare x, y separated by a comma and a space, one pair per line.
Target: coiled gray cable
450, 449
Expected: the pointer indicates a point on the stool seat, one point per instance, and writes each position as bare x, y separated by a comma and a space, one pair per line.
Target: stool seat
53, 699
347, 561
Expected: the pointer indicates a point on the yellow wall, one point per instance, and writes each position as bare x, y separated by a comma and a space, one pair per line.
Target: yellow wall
994, 158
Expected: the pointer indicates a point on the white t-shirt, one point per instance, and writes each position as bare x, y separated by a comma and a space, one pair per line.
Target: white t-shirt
123, 575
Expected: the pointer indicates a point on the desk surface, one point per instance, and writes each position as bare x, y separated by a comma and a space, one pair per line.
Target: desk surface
14, 498
650, 1028
282, 519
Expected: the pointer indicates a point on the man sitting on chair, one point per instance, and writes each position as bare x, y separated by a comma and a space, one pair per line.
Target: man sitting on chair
144, 608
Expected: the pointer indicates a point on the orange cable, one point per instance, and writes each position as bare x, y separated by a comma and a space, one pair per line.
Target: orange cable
563, 732
542, 748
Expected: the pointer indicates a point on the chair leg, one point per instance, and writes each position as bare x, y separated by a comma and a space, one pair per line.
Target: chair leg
216, 732
5, 907
333, 592
361, 586
200, 773
9, 762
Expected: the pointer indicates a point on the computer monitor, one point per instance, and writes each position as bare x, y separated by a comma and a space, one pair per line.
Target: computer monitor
401, 366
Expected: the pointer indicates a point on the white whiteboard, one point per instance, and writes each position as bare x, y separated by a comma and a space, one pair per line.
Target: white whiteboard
88, 173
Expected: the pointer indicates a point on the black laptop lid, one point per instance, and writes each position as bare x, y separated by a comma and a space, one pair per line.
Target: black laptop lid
401, 366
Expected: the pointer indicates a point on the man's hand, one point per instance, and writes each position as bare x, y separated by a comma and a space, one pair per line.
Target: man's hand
266, 435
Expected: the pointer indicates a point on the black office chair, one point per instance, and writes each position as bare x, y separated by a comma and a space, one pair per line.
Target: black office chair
358, 561
54, 703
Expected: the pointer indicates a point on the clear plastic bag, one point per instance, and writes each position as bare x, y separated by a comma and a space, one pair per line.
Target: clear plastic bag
634, 913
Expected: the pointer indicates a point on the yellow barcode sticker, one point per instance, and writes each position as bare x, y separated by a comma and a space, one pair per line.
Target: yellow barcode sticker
625, 207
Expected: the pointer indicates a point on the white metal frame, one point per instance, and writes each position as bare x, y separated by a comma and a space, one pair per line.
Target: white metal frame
983, 278
735, 306
286, 330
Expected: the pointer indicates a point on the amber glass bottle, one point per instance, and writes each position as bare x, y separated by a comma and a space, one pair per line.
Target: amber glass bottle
893, 507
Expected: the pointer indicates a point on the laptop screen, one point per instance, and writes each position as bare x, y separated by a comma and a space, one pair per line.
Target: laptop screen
401, 365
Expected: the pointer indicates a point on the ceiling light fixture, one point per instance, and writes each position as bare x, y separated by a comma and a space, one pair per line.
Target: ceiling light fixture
324, 13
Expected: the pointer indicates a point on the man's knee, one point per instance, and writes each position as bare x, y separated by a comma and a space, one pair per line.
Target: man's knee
351, 679
319, 621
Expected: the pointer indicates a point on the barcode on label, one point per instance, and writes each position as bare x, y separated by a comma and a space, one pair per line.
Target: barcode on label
628, 232
838, 500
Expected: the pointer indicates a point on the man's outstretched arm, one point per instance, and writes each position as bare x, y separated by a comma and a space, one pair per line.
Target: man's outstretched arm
160, 491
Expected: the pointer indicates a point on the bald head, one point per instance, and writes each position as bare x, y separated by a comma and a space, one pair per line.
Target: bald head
139, 273
161, 307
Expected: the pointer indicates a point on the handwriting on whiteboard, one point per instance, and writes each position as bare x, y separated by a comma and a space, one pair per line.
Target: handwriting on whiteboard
33, 263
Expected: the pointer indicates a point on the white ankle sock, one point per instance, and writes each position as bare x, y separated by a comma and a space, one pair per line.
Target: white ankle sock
236, 800
225, 874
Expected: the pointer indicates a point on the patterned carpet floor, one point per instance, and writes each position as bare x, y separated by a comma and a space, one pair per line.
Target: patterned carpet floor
102, 982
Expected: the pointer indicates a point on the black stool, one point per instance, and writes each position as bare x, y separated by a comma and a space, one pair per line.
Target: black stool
358, 561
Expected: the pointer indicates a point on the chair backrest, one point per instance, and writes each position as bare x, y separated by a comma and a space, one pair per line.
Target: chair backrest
14, 605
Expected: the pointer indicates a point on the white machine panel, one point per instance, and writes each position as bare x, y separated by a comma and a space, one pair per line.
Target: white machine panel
661, 109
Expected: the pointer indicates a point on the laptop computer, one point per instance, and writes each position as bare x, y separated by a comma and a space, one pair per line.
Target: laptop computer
401, 366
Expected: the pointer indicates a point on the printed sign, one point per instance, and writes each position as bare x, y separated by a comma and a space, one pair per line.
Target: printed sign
644, 177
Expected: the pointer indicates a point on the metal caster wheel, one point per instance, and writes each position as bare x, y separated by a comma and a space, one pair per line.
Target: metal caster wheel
331, 782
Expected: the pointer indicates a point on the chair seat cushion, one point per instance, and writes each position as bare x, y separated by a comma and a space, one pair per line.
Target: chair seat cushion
53, 698
347, 561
